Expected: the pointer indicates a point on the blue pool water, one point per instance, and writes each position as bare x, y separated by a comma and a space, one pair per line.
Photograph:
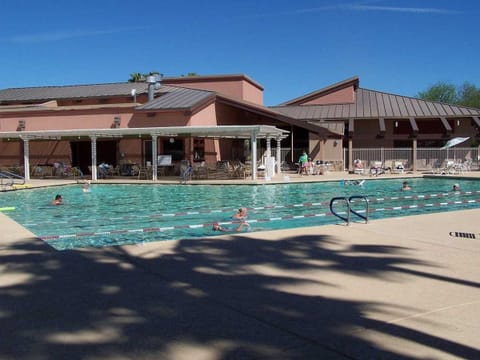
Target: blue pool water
129, 214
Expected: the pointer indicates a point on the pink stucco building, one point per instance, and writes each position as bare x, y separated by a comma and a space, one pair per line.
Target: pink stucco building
132, 122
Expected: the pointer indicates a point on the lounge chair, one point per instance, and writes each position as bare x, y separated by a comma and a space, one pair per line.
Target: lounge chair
377, 168
358, 167
398, 167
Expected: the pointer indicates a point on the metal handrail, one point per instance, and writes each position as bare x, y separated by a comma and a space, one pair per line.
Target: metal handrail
364, 217
11, 177
348, 201
332, 201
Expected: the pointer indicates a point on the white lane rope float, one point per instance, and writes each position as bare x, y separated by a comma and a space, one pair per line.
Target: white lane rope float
250, 221
259, 208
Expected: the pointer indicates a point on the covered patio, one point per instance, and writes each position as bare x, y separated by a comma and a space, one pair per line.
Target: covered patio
247, 132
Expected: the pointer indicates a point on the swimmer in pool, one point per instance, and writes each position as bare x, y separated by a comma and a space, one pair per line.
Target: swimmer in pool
405, 186
240, 227
241, 214
58, 200
86, 186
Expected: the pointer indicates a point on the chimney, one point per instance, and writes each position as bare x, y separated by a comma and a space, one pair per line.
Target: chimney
153, 84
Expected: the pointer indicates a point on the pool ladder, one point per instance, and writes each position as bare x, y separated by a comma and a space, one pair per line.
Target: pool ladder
8, 179
350, 211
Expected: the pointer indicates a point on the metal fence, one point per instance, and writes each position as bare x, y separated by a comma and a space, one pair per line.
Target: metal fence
427, 158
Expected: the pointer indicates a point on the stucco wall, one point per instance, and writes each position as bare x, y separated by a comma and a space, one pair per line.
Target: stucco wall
205, 117
346, 95
63, 120
252, 93
237, 87
325, 149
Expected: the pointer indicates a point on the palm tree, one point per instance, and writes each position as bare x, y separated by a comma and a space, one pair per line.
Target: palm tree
136, 77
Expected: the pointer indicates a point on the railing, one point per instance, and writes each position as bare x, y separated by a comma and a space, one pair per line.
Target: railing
349, 201
8, 178
427, 159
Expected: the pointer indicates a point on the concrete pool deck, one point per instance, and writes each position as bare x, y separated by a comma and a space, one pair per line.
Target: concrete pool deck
401, 288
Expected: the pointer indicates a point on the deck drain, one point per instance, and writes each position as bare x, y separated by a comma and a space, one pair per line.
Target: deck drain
462, 235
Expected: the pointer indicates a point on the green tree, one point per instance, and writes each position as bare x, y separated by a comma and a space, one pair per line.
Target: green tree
442, 92
135, 77
465, 95
138, 77
469, 95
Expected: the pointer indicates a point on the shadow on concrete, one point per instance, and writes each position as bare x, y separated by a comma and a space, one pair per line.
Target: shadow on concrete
241, 298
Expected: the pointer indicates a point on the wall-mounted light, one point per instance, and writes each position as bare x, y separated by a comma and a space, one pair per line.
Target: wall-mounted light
134, 95
335, 143
21, 125
117, 121
171, 140
396, 124
458, 122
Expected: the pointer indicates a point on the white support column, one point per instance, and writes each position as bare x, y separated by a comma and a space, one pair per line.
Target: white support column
269, 146
253, 144
269, 161
279, 155
26, 158
93, 139
291, 145
154, 157
350, 155
414, 155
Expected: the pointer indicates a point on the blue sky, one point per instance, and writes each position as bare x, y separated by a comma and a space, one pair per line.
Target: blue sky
289, 47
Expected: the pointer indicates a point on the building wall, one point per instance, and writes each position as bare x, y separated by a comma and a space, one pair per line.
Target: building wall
325, 149
235, 86
160, 119
346, 95
42, 152
205, 117
11, 153
64, 120
252, 93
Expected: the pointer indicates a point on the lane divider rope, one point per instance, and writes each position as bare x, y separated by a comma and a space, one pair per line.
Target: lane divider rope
252, 221
266, 207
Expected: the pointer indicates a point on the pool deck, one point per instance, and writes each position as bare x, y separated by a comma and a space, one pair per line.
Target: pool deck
401, 288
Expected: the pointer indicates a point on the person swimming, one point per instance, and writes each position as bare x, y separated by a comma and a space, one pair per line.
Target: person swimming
405, 186
240, 227
86, 186
241, 214
57, 201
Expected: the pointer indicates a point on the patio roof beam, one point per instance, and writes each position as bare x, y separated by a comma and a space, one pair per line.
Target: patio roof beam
234, 131
381, 126
476, 121
446, 125
414, 126
351, 124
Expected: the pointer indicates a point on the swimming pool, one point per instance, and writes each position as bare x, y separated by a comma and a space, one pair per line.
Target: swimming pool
131, 214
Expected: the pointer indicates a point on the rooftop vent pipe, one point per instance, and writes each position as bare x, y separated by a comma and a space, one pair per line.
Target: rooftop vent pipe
153, 84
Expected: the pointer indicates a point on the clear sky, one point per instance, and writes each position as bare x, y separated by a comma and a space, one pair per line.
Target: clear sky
290, 47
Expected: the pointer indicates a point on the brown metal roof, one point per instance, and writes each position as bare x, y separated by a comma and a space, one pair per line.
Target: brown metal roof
375, 104
46, 93
177, 98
